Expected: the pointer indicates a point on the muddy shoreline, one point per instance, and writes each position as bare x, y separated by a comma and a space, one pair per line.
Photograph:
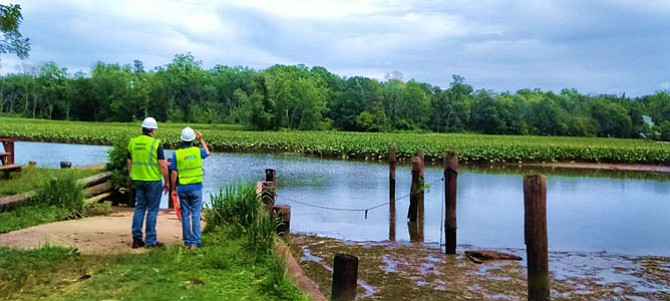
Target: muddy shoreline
415, 271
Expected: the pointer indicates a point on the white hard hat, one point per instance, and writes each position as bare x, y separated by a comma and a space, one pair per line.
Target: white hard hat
149, 123
187, 134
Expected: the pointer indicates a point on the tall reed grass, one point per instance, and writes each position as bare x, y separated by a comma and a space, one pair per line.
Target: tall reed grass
240, 207
62, 192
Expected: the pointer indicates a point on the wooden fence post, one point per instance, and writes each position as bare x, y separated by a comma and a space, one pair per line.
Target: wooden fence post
450, 177
345, 277
392, 165
535, 232
416, 189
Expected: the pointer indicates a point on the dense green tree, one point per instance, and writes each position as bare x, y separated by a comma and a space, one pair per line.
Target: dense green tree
452, 107
53, 81
12, 41
302, 98
299, 96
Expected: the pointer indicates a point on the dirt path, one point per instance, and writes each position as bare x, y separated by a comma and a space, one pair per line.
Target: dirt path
99, 234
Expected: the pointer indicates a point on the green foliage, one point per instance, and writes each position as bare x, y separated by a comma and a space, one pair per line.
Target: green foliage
366, 146
103, 208
238, 205
241, 208
117, 157
30, 178
62, 192
262, 233
299, 98
18, 268
220, 269
31, 215
12, 41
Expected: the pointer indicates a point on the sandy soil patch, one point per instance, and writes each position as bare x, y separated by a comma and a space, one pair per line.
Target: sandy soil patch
94, 235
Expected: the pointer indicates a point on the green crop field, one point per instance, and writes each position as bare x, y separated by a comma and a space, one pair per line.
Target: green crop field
371, 146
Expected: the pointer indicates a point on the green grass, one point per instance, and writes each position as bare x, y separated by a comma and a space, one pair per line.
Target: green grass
57, 199
31, 215
221, 270
234, 263
30, 178
369, 146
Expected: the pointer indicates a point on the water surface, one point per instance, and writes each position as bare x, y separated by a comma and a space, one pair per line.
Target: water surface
627, 213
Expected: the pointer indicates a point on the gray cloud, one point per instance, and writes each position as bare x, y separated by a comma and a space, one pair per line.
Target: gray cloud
594, 46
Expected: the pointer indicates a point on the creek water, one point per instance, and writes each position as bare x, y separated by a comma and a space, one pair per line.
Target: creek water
590, 211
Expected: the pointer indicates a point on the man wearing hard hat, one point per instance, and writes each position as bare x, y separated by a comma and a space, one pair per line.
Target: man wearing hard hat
187, 166
146, 164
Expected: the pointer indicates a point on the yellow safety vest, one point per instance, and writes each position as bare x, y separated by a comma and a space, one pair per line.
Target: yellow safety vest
143, 153
189, 165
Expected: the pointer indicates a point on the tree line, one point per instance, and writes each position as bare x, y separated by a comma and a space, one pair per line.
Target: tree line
303, 98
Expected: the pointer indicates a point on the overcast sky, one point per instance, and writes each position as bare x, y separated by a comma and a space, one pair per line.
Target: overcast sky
595, 46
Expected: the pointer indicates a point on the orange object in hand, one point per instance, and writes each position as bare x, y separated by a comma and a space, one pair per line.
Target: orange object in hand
175, 202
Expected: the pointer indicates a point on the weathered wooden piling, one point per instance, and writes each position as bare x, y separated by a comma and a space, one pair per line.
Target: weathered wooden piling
421, 153
283, 212
450, 184
416, 189
270, 175
268, 189
392, 165
345, 277
535, 232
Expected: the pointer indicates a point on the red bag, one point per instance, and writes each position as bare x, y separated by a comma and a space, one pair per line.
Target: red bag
175, 202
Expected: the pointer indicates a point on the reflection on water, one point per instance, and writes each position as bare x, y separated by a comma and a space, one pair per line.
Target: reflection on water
627, 213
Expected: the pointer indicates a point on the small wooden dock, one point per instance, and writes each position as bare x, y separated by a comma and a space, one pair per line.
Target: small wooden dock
7, 164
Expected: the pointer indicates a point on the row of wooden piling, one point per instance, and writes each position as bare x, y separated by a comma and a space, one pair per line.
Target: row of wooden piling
345, 269
535, 215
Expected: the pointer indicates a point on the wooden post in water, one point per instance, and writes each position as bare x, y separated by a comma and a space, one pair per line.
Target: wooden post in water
270, 175
284, 214
416, 189
535, 232
392, 165
345, 277
268, 194
421, 153
450, 177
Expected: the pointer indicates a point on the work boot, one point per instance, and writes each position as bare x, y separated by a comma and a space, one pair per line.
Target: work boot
137, 243
158, 244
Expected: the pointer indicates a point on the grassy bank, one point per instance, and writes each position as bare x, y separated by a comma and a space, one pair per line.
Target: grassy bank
221, 270
234, 263
371, 146
58, 197
30, 178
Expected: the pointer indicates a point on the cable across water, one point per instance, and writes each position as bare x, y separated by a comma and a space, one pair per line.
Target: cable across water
350, 209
